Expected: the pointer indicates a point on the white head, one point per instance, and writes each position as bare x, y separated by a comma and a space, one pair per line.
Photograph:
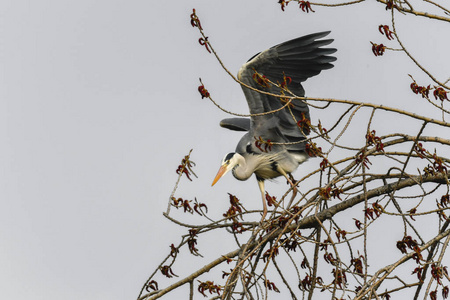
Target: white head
230, 161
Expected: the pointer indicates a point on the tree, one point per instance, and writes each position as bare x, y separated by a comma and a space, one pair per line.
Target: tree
324, 240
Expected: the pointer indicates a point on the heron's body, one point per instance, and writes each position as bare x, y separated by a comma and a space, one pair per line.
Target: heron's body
267, 165
278, 70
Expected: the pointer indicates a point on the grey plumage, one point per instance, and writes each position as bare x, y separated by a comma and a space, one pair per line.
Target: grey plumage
237, 124
291, 62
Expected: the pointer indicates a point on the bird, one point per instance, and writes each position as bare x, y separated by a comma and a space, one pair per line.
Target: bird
274, 142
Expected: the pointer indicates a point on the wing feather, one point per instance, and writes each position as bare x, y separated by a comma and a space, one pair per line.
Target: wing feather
236, 124
299, 59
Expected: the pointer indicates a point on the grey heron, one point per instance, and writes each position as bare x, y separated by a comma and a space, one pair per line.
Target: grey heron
291, 63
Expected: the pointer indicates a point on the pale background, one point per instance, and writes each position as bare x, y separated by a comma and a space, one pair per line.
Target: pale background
99, 103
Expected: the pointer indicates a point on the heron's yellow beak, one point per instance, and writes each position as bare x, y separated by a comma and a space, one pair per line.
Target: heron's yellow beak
223, 169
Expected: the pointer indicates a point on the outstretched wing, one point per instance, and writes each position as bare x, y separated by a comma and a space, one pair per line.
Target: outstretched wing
289, 63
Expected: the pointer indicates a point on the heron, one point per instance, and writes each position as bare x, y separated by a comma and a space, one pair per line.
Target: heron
274, 144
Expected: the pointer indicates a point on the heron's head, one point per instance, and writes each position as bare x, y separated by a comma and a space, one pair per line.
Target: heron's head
230, 161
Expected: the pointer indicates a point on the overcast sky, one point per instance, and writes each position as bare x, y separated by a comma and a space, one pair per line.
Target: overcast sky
99, 103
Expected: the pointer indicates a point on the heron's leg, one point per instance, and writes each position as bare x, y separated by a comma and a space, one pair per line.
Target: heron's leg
294, 188
281, 171
263, 195
291, 177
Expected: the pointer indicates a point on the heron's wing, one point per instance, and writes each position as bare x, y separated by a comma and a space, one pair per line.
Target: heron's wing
296, 60
237, 124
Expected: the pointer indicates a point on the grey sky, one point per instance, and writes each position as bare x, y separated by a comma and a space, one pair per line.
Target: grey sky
99, 103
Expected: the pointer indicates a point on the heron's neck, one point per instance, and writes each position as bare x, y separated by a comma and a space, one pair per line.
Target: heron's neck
245, 167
